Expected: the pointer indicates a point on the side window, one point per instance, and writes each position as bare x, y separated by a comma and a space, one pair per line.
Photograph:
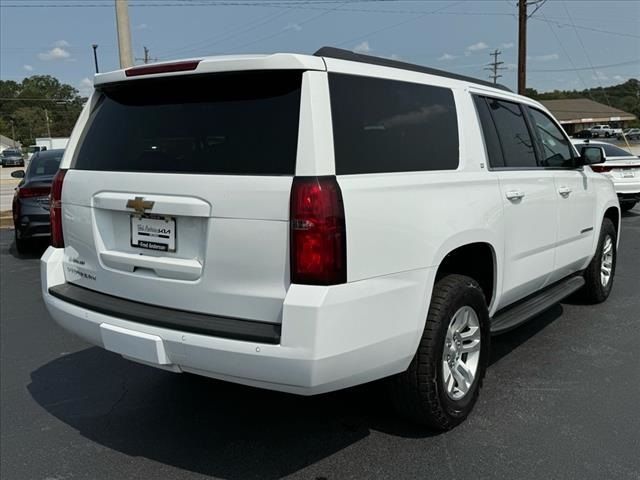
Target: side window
384, 125
517, 145
556, 149
491, 140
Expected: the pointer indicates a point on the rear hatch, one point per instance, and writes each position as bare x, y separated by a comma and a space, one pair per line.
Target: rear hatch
178, 192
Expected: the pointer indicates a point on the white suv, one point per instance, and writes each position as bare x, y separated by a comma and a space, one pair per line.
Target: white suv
308, 223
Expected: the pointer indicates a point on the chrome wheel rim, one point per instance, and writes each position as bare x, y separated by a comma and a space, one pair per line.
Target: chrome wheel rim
606, 262
461, 353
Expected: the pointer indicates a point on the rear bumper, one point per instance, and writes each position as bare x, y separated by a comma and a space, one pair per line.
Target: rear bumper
331, 337
33, 226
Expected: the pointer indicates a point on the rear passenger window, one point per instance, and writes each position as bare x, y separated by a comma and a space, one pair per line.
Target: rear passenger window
556, 149
492, 142
391, 126
515, 140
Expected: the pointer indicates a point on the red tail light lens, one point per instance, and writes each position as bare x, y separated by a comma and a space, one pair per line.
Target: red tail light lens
162, 68
600, 168
55, 212
30, 192
318, 234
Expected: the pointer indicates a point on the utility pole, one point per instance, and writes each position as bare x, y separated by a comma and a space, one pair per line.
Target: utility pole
522, 39
124, 33
522, 46
13, 133
495, 66
46, 116
95, 56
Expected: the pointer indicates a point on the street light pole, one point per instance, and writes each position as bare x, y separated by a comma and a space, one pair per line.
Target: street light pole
95, 56
124, 33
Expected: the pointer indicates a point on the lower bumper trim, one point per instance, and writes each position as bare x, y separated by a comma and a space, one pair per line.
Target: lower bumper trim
224, 327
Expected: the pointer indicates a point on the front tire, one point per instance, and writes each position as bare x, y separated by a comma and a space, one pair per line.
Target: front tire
442, 383
601, 271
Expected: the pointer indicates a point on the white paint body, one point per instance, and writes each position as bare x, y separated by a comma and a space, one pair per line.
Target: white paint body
234, 234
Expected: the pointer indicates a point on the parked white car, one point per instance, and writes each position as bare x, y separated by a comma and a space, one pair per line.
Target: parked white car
308, 223
622, 167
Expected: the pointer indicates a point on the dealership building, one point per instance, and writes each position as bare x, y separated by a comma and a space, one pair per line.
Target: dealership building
577, 114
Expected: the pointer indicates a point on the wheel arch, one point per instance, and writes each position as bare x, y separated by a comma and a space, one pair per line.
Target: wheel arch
477, 260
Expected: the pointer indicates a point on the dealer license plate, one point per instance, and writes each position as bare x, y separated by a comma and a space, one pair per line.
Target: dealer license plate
153, 232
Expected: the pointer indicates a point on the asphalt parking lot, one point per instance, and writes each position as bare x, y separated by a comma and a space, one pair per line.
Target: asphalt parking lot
560, 400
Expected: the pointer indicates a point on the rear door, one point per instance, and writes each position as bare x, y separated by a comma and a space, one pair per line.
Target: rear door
178, 192
575, 196
528, 198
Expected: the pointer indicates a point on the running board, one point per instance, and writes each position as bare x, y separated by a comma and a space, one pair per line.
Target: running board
521, 312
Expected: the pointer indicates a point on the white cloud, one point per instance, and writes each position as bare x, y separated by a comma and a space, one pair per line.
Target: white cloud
362, 47
28, 68
61, 43
599, 75
619, 78
545, 58
293, 26
477, 47
56, 53
142, 26
85, 87
446, 56
507, 45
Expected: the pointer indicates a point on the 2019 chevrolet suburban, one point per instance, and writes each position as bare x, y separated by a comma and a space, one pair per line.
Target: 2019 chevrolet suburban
306, 223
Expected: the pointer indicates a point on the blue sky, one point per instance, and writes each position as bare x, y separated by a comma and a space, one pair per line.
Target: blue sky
55, 36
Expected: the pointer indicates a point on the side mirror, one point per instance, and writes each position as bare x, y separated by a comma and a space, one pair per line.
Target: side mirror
17, 174
591, 155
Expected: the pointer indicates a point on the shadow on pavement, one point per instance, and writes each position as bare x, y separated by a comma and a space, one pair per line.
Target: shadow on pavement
36, 250
217, 428
203, 425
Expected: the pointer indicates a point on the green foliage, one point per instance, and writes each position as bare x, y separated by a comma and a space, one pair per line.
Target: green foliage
26, 104
625, 96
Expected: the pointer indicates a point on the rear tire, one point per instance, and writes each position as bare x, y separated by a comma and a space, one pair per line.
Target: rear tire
23, 245
600, 273
626, 206
422, 393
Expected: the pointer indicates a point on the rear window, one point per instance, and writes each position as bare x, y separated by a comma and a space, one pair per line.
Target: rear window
231, 123
45, 164
391, 126
613, 151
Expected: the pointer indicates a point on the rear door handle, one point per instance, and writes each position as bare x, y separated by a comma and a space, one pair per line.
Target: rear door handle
514, 195
564, 191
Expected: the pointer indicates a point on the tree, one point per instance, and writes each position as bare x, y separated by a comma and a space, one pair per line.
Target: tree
625, 96
28, 103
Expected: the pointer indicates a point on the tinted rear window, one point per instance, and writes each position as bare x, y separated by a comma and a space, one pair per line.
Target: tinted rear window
45, 163
613, 151
391, 126
233, 123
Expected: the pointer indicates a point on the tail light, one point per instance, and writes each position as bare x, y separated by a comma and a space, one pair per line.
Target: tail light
318, 235
600, 168
30, 192
55, 212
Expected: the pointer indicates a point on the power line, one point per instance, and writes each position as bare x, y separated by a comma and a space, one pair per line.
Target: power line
610, 65
394, 25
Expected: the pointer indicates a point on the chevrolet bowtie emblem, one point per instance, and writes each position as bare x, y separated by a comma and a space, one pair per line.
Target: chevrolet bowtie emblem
139, 204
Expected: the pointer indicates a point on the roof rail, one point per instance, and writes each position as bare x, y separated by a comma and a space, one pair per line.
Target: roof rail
342, 54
